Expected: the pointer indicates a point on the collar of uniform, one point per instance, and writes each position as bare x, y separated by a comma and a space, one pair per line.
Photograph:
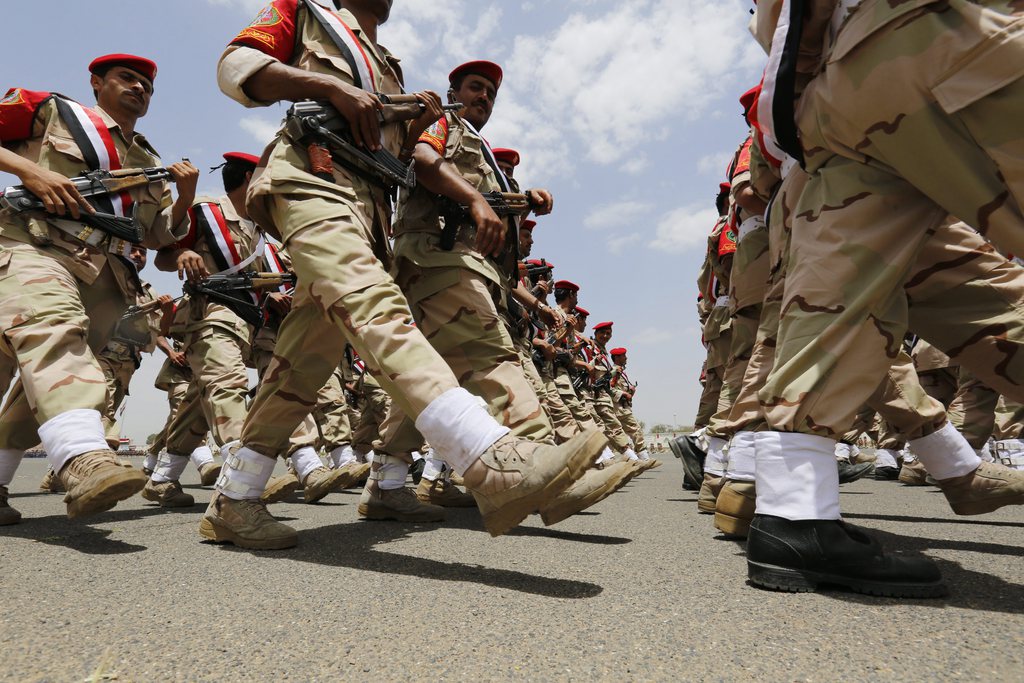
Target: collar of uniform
137, 137
352, 23
228, 209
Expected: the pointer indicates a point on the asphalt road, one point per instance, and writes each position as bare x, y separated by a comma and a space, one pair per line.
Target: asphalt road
639, 588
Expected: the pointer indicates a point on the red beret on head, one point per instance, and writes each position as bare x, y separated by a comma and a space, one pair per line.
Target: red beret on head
528, 224
619, 351
601, 326
582, 311
724, 187
242, 157
488, 70
508, 156
565, 284
748, 98
146, 67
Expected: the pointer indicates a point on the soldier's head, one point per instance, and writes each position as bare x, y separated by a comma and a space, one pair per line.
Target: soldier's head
619, 356
526, 237
747, 101
122, 84
567, 293
237, 170
722, 199
507, 160
603, 333
380, 8
475, 84
138, 256
579, 318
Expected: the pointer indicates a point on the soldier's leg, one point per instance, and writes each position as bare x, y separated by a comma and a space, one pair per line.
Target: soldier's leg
332, 419
564, 422
580, 412
973, 410
605, 410
708, 404
52, 326
118, 377
1009, 445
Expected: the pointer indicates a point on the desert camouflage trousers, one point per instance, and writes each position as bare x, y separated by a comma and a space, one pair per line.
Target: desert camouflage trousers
174, 381
941, 137
306, 433
562, 421
707, 406
343, 294
973, 409
457, 310
576, 405
332, 414
1009, 419
52, 326
118, 373
630, 426
603, 410
373, 411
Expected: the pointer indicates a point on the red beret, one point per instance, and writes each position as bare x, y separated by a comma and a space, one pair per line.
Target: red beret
146, 67
724, 187
528, 224
242, 157
619, 351
488, 70
565, 284
582, 311
748, 98
509, 156
601, 326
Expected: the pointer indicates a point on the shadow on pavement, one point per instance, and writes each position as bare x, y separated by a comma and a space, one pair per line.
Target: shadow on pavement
931, 520
356, 545
60, 531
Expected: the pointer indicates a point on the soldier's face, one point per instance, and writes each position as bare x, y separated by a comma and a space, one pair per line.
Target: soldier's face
508, 169
380, 8
603, 336
581, 323
620, 361
478, 94
138, 256
525, 242
123, 90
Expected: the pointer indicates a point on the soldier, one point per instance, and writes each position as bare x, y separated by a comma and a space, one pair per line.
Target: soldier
66, 282
602, 373
333, 226
623, 391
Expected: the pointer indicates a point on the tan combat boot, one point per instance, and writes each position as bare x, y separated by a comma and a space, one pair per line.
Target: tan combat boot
279, 488
987, 488
355, 474
8, 515
51, 482
398, 504
590, 489
913, 473
322, 481
709, 489
168, 494
95, 481
245, 523
208, 473
443, 493
514, 477
734, 508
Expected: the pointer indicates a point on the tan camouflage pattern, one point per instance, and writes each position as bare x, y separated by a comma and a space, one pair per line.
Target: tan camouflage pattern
174, 380
576, 405
562, 421
373, 410
1009, 419
708, 404
973, 409
331, 415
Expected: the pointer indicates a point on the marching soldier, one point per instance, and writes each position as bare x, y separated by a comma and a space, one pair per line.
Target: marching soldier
68, 278
623, 391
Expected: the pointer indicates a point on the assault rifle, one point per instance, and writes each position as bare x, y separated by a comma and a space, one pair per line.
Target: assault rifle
235, 292
535, 272
327, 137
143, 309
456, 215
94, 184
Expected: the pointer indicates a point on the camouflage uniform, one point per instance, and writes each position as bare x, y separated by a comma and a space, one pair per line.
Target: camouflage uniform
601, 398
173, 379
59, 297
622, 395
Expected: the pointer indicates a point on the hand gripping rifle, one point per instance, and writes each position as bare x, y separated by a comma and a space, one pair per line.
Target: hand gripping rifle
327, 137
235, 292
456, 215
95, 184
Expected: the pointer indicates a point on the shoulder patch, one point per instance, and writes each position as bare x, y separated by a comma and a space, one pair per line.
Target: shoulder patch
13, 96
437, 135
268, 16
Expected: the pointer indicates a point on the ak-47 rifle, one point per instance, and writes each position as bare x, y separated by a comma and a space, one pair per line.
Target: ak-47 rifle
144, 309
235, 292
456, 215
327, 137
95, 184
535, 272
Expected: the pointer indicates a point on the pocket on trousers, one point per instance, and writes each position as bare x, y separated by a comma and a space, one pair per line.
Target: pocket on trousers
993, 64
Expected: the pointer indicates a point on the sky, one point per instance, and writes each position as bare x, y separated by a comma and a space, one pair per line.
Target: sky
627, 111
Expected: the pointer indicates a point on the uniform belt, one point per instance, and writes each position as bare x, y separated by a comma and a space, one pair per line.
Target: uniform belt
722, 301
94, 237
749, 225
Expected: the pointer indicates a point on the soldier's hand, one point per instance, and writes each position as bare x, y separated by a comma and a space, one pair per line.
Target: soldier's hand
541, 201
58, 194
166, 303
186, 177
279, 303
178, 358
361, 109
191, 265
542, 286
549, 316
432, 111
490, 230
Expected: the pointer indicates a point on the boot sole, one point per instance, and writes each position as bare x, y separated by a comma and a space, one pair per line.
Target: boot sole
10, 520
912, 482
500, 520
155, 498
982, 507
323, 491
732, 525
218, 534
107, 493
279, 493
556, 514
383, 515
210, 478
802, 581
706, 508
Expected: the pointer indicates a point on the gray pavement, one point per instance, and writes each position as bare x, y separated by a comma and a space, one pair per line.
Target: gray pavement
639, 588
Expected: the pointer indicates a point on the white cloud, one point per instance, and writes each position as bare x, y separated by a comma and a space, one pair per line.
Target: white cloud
618, 243
247, 6
262, 130
715, 164
685, 228
649, 336
615, 215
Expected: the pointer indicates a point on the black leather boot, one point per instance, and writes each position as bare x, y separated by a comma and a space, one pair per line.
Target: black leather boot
689, 453
852, 472
798, 556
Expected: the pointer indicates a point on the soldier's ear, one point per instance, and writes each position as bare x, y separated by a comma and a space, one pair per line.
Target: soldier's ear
95, 82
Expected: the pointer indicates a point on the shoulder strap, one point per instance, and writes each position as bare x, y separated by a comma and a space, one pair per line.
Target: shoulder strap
345, 40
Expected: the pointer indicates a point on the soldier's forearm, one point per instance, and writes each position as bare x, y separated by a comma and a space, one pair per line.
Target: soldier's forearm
441, 177
167, 260
276, 82
14, 164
